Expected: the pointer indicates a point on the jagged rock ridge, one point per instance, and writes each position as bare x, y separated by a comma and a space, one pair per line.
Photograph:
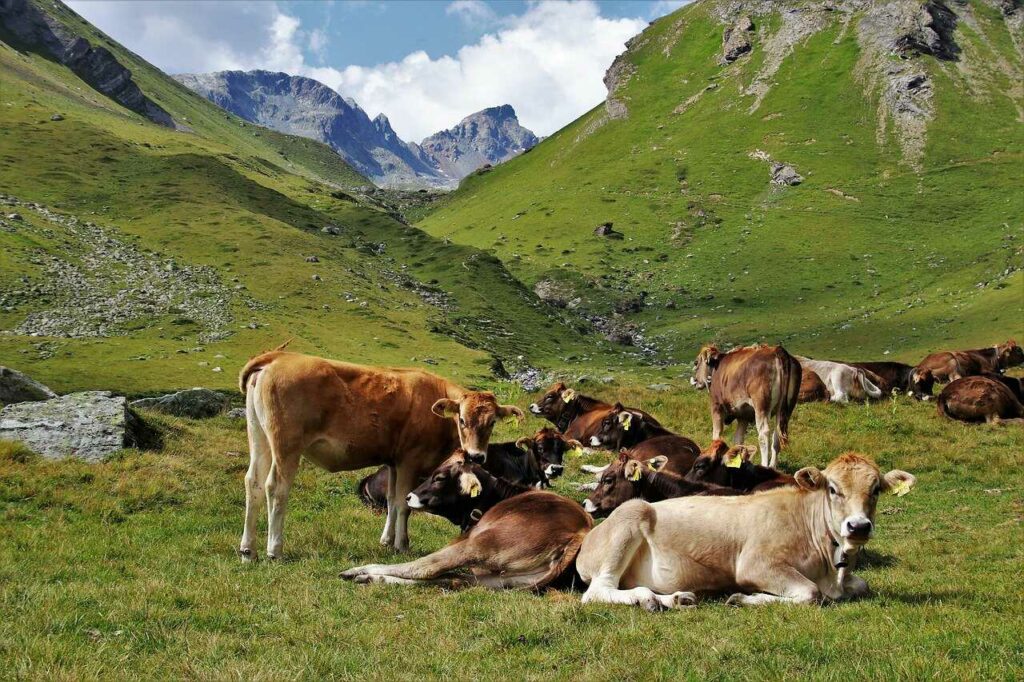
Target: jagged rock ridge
303, 106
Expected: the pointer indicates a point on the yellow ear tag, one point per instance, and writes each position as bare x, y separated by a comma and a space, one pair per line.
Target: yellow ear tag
626, 419
651, 466
567, 395
901, 488
635, 476
474, 490
576, 452
734, 462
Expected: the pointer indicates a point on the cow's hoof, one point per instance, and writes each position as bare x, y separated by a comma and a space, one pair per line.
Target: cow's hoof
683, 600
369, 579
735, 599
273, 557
652, 604
247, 556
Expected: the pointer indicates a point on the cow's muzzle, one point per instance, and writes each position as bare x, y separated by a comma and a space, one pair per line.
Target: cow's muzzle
857, 529
414, 501
476, 457
554, 470
595, 441
534, 408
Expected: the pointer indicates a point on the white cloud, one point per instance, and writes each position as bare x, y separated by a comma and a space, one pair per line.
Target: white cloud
473, 13
547, 62
662, 7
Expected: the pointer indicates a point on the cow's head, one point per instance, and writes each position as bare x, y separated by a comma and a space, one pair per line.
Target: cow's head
549, 447
1010, 354
552, 404
704, 366
475, 415
714, 463
851, 485
615, 426
450, 489
922, 383
619, 483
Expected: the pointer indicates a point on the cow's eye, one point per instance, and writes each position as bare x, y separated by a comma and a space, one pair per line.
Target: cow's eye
462, 422
832, 490
608, 480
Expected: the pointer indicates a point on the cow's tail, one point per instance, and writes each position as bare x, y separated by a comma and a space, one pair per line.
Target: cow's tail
873, 391
941, 408
790, 375
256, 364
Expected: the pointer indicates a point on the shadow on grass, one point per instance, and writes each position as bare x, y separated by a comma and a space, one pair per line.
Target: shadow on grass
869, 559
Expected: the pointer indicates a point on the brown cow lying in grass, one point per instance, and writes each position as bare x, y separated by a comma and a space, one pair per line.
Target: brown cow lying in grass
791, 544
980, 399
527, 540
731, 467
577, 416
951, 365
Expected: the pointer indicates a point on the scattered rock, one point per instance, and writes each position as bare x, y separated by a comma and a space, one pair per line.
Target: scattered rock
91, 425
317, 278
16, 387
498, 369
331, 229
607, 230
554, 293
660, 388
312, 259
56, 117
235, 413
783, 174
736, 41
14, 216
194, 403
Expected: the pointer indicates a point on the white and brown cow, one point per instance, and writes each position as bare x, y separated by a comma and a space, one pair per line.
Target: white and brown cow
790, 544
344, 416
843, 382
757, 384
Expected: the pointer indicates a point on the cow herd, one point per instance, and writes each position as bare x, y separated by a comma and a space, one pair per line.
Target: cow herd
682, 521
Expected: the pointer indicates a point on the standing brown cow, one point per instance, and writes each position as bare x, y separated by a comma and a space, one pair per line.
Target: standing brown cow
951, 365
344, 416
757, 384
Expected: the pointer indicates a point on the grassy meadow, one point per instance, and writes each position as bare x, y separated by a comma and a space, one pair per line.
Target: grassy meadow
128, 570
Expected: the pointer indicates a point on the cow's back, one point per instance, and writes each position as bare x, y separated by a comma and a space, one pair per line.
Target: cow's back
351, 416
746, 372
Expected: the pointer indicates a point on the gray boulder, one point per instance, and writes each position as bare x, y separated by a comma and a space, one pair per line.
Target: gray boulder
785, 175
91, 425
736, 41
16, 387
236, 413
194, 403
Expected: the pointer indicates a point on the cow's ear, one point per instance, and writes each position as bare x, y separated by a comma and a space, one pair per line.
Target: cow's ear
525, 443
633, 470
623, 457
568, 395
446, 407
717, 447
470, 485
626, 419
898, 482
810, 478
713, 357
657, 463
506, 411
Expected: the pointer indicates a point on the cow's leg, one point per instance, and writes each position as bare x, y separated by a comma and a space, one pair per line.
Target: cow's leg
618, 547
460, 554
763, 421
778, 584
255, 479
716, 423
741, 431
387, 538
279, 484
854, 587
405, 481
593, 469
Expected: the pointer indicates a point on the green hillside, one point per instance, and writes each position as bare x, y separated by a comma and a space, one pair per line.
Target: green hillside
905, 234
154, 256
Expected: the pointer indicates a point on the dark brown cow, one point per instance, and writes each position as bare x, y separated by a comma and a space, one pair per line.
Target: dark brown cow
577, 416
627, 478
549, 447
623, 427
951, 365
812, 389
980, 399
344, 416
527, 540
897, 377
757, 384
731, 467
1015, 384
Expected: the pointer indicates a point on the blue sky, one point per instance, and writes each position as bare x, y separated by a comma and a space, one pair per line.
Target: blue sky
425, 64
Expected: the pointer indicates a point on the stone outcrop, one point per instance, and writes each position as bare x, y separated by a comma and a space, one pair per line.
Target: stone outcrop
16, 387
736, 40
91, 426
193, 403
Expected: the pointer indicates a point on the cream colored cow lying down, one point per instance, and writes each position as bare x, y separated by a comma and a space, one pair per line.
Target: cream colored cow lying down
786, 545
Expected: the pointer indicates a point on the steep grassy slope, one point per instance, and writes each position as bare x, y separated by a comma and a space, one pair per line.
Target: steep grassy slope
155, 256
896, 240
